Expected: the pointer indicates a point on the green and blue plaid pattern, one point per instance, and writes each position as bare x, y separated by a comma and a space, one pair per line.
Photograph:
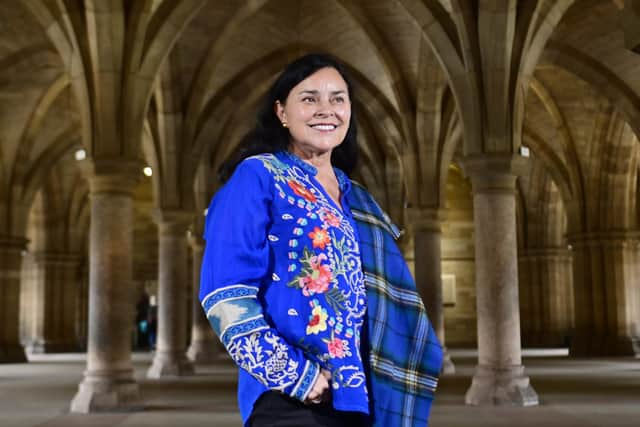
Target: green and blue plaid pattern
405, 356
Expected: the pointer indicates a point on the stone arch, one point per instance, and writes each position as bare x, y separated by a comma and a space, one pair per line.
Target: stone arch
598, 76
40, 168
569, 174
554, 164
95, 39
392, 71
617, 177
34, 124
150, 150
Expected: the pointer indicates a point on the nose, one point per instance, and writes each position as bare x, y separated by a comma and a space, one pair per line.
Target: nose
325, 109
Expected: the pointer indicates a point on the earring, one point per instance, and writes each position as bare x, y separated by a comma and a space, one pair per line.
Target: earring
285, 125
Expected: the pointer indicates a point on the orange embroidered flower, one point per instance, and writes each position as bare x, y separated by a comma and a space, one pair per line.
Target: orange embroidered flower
301, 191
320, 237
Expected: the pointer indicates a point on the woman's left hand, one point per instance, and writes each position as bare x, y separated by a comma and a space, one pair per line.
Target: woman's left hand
321, 390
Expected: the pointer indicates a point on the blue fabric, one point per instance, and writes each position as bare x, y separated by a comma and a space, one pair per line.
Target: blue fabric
405, 356
282, 283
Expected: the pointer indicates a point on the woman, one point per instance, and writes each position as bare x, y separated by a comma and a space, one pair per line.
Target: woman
301, 279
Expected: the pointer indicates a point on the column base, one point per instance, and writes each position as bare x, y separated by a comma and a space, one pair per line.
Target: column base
107, 391
205, 352
602, 346
170, 364
501, 386
12, 353
448, 367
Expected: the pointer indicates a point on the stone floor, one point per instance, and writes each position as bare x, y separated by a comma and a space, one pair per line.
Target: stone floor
576, 393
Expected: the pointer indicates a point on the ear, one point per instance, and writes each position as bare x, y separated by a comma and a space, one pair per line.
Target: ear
279, 110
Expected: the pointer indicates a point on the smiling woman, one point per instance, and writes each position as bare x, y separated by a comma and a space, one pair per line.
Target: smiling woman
286, 281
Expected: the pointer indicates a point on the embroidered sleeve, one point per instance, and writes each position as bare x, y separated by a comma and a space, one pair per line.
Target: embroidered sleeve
235, 261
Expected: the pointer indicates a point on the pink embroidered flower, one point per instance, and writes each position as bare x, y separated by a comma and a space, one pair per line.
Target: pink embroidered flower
320, 237
336, 348
320, 278
302, 191
329, 218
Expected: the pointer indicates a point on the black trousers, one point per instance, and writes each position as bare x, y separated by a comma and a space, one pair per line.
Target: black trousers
274, 409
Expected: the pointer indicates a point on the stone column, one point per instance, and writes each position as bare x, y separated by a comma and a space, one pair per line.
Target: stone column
53, 302
108, 382
205, 345
11, 249
499, 377
170, 358
427, 237
560, 299
528, 309
605, 291
546, 305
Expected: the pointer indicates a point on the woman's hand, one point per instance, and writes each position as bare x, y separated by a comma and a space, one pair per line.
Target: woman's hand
320, 391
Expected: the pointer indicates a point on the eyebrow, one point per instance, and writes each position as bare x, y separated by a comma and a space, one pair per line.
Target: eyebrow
315, 92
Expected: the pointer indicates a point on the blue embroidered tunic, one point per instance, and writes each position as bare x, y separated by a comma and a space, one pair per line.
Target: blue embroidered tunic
282, 283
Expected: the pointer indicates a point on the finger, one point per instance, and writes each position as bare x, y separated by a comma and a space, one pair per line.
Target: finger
326, 374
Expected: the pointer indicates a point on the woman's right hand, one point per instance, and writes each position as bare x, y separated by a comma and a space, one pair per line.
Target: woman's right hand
320, 391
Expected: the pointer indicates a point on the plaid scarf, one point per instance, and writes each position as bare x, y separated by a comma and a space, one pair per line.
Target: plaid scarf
405, 355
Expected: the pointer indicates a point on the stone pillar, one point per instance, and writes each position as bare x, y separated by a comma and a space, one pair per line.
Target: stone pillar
170, 358
499, 377
605, 267
560, 300
546, 302
428, 272
528, 303
53, 302
11, 249
205, 345
108, 382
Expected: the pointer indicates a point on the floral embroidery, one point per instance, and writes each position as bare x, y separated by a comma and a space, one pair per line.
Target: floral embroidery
320, 238
329, 218
315, 277
317, 320
323, 264
301, 191
269, 365
338, 348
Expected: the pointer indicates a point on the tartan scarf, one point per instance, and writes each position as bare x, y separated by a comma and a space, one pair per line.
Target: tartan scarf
405, 356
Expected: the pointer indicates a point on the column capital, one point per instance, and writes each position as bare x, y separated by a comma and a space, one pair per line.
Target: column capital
425, 218
112, 174
172, 221
494, 172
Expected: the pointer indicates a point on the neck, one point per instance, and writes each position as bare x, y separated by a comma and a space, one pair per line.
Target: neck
321, 160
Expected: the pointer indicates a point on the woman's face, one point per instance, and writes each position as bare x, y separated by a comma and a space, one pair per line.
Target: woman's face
317, 112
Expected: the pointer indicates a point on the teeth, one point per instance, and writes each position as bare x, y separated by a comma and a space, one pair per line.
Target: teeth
324, 127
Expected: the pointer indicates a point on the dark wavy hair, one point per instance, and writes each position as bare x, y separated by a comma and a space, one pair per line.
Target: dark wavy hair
268, 135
